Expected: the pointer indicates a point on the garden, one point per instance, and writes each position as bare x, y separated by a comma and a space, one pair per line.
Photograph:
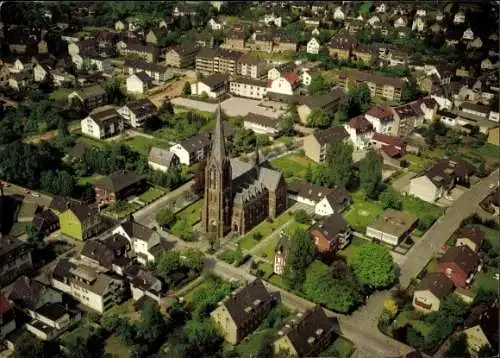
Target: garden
151, 195
263, 230
293, 166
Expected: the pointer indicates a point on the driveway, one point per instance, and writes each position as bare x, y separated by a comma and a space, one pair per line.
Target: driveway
402, 183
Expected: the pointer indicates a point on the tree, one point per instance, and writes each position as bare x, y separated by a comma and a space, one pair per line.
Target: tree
85, 341
285, 126
193, 259
318, 118
390, 198
410, 91
301, 253
184, 229
309, 173
201, 338
319, 85
35, 238
373, 266
169, 262
302, 217
358, 100
186, 90
458, 347
370, 174
339, 165
149, 328
165, 217
29, 346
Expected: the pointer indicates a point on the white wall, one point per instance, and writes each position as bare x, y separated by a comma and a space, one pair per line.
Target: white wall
323, 208
423, 188
181, 153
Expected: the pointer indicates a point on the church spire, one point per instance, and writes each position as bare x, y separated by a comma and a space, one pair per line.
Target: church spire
218, 147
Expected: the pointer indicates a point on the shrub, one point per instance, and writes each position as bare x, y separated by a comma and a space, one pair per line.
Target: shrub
302, 217
257, 236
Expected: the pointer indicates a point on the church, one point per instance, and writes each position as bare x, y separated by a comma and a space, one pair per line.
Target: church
239, 195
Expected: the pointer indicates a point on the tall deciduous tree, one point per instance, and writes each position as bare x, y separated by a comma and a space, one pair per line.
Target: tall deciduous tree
165, 216
339, 164
373, 266
319, 85
370, 173
186, 90
318, 118
301, 253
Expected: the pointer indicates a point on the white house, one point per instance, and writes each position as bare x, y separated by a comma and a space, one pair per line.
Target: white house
401, 21
360, 132
313, 46
459, 18
418, 24
338, 14
20, 66
381, 118
144, 242
315, 32
213, 86
40, 73
421, 12
272, 19
261, 124
121, 25
374, 21
442, 101
135, 113
381, 7
191, 150
430, 291
139, 82
285, 85
162, 159
215, 25
468, 34
102, 122
305, 78
249, 88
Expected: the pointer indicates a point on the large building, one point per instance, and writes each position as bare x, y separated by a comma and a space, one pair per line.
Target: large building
239, 195
217, 60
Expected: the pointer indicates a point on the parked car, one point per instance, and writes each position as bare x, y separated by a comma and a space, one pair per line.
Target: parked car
36, 195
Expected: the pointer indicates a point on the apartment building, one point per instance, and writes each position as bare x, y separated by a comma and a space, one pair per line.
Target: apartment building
217, 60
386, 87
148, 53
181, 56
252, 67
247, 87
15, 258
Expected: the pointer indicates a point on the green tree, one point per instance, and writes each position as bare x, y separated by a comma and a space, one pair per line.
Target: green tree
319, 85
165, 216
85, 341
285, 126
339, 164
458, 347
309, 173
151, 325
193, 259
318, 118
373, 266
184, 229
169, 262
410, 91
186, 90
302, 217
35, 238
301, 253
201, 338
390, 198
370, 174
29, 346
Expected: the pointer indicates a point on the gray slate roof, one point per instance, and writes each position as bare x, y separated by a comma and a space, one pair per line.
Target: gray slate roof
161, 156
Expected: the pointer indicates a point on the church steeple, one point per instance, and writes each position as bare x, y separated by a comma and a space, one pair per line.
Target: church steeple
218, 148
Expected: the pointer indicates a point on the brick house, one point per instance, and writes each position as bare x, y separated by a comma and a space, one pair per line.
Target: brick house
459, 264
117, 186
331, 234
472, 237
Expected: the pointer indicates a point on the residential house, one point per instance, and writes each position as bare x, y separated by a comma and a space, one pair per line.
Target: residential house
148, 53
313, 46
481, 327
248, 87
166, 22
374, 21
145, 243
235, 41
341, 45
46, 222
145, 286
418, 24
338, 14
381, 7
360, 132
468, 34
155, 36
406, 118
240, 313
260, 124
89, 97
41, 73
252, 67
94, 288
80, 221
210, 60
216, 24
387, 145
192, 150
331, 234
213, 86
381, 118
494, 136
279, 71
474, 110
112, 254
285, 85
325, 201
472, 237
19, 81
48, 316
460, 264
392, 227
362, 52
102, 122
118, 186
15, 259
284, 43
22, 64
307, 335
162, 159
272, 19
121, 25
60, 78
316, 144
440, 179
7, 317
139, 82
429, 293
155, 71
401, 21
137, 112
436, 28
262, 41
83, 46
386, 87
181, 56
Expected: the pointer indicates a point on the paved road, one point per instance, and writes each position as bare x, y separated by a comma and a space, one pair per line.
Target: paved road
41, 199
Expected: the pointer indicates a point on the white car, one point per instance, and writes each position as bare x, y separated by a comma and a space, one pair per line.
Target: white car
36, 195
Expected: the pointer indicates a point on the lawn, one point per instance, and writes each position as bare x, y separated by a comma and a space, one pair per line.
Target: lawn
151, 195
265, 228
492, 237
192, 213
89, 180
126, 209
60, 94
268, 250
362, 213
418, 164
250, 345
341, 348
421, 208
188, 297
489, 150
268, 269
352, 248
293, 165
115, 349
365, 8
90, 141
143, 145
485, 280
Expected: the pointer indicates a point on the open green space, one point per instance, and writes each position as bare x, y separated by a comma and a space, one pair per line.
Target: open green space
265, 228
266, 268
418, 164
489, 150
191, 213
352, 248
486, 280
89, 180
126, 307
365, 7
115, 349
422, 208
268, 250
90, 141
125, 209
362, 213
492, 237
143, 145
60, 94
151, 195
293, 165
188, 297
341, 348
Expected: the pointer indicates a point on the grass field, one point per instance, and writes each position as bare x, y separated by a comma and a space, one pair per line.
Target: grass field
188, 297
143, 145
362, 213
265, 229
293, 165
127, 209
151, 195
492, 237
115, 349
60, 94
90, 141
89, 180
341, 348
485, 280
192, 213
489, 150
418, 164
352, 248
421, 208
268, 250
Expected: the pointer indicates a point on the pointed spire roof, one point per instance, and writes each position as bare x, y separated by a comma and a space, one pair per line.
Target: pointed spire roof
218, 147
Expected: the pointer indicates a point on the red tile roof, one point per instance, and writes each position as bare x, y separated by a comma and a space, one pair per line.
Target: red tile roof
391, 151
360, 124
292, 77
382, 113
389, 140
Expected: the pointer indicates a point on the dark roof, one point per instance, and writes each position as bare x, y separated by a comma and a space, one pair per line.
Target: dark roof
97, 251
331, 226
389, 140
83, 211
141, 107
474, 234
195, 143
332, 134
475, 107
222, 53
4, 308
119, 180
485, 315
316, 193
78, 150
365, 76
360, 124
134, 46
105, 115
343, 41
436, 282
261, 120
322, 101
161, 156
310, 324
445, 171
44, 217
145, 66
52, 311
215, 80
238, 301
143, 76
91, 91
405, 111
250, 81
136, 230
9, 244
61, 203
185, 49
116, 242
26, 293
463, 257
